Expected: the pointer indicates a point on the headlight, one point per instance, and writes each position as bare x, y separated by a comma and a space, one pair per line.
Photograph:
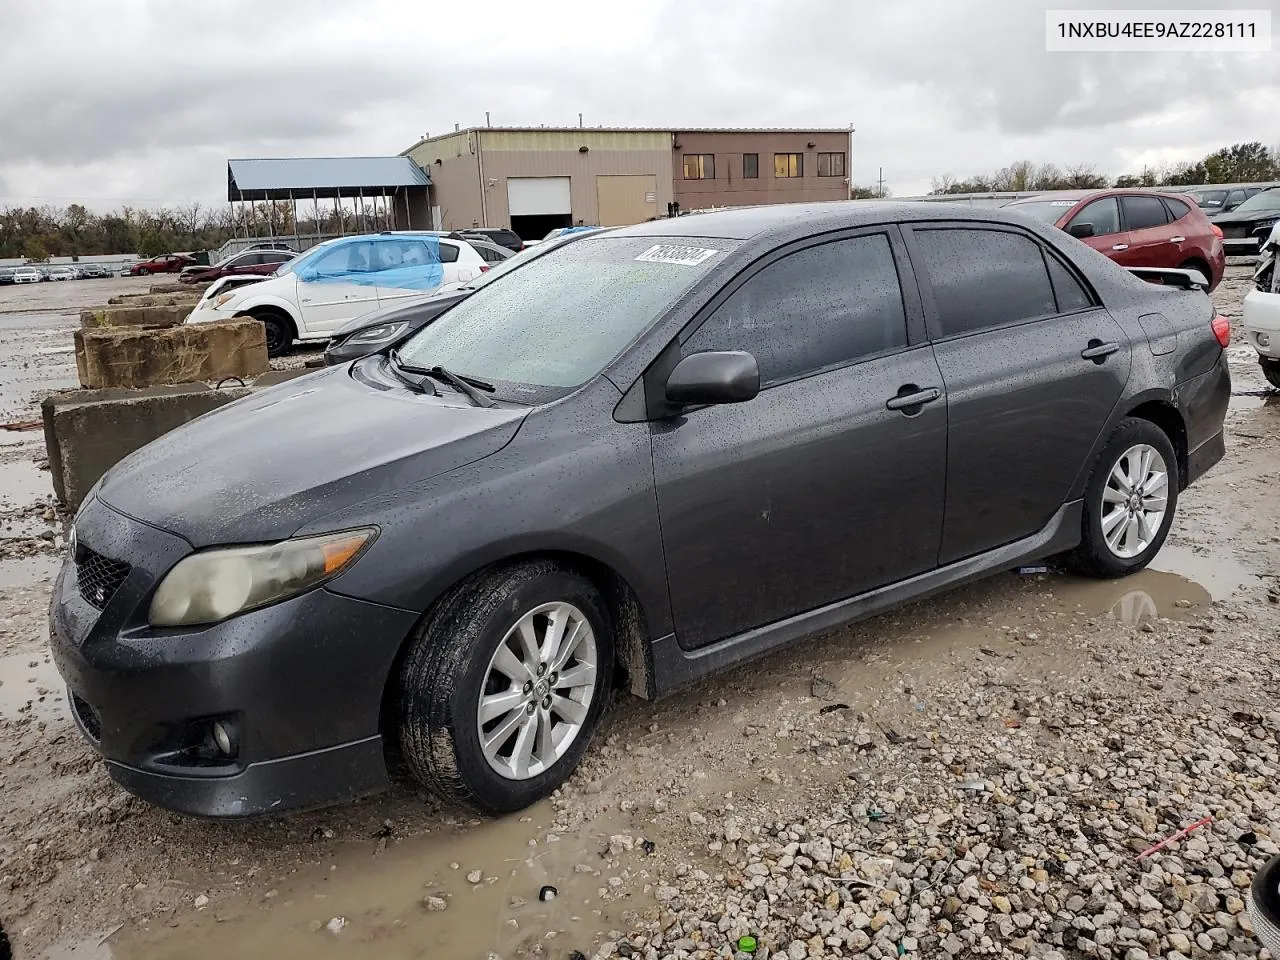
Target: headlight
223, 298
212, 585
379, 334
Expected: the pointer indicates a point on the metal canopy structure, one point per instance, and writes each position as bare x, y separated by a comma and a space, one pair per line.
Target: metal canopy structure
380, 188
322, 177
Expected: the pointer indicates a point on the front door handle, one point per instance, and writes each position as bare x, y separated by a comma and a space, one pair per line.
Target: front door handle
1177, 239
1097, 351
1120, 246
912, 396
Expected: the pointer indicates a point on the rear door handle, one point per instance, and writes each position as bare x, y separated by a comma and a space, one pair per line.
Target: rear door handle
1098, 351
1120, 246
914, 398
1177, 239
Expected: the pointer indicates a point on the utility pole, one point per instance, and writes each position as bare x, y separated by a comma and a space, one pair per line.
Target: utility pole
881, 182
848, 167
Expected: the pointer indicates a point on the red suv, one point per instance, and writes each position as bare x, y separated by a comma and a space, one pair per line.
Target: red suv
1136, 229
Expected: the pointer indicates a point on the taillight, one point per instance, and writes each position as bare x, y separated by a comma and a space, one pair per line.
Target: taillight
1217, 230
1222, 330
484, 268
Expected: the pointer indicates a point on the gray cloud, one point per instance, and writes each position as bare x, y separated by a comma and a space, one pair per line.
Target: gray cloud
146, 99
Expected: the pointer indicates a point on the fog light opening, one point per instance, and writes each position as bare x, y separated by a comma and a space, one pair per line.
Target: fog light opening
1264, 340
224, 738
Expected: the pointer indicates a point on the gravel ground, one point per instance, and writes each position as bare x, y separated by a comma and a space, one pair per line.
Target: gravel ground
974, 776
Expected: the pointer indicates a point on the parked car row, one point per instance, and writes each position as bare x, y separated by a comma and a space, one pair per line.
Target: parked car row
36, 274
564, 482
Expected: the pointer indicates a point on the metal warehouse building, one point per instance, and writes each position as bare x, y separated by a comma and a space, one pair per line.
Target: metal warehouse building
534, 179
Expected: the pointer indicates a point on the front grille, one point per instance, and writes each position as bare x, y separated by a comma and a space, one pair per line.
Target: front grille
88, 718
1233, 231
98, 577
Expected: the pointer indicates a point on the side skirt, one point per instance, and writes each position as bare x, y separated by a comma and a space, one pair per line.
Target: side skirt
675, 667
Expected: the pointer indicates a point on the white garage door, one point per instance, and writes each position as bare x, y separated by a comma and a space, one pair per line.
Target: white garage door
537, 196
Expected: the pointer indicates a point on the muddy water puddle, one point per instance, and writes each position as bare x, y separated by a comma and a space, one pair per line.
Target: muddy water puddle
538, 895
30, 686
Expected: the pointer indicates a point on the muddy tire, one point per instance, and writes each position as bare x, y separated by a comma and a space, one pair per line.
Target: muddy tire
1129, 502
1272, 373
504, 685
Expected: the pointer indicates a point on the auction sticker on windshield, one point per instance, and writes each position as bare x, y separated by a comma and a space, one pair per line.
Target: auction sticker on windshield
675, 253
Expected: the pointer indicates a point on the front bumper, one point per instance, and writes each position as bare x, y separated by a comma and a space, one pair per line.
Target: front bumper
1240, 246
299, 684
1261, 321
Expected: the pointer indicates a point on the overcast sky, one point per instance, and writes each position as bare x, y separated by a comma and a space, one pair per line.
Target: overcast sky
143, 101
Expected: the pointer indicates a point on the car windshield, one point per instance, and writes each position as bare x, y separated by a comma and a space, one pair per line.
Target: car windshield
1267, 201
556, 323
1046, 211
1211, 198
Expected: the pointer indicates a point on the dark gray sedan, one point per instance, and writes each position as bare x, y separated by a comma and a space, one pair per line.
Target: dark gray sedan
639, 459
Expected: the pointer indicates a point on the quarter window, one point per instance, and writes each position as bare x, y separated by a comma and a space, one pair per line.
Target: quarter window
984, 278
448, 253
1177, 208
1071, 296
812, 310
788, 165
831, 164
750, 166
699, 166
1141, 213
1104, 214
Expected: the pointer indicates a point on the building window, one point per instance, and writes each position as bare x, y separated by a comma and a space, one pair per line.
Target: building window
831, 164
788, 165
699, 166
750, 166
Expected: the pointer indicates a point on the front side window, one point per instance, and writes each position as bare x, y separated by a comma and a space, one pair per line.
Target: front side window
350, 258
815, 309
750, 166
1104, 214
1142, 213
699, 166
788, 165
559, 319
831, 164
984, 278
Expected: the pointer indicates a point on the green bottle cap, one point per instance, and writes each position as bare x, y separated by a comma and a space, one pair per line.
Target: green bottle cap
747, 944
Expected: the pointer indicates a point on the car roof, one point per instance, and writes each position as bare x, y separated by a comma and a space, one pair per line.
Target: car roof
800, 219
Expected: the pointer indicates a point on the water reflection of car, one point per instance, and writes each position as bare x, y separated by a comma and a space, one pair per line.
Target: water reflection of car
1245, 227
382, 329
561, 232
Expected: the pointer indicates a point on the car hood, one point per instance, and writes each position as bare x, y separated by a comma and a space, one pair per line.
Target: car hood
1247, 217
413, 308
263, 466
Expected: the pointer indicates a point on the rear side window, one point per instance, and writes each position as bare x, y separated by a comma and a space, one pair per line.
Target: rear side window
984, 278
1104, 214
448, 252
1070, 294
1177, 208
815, 309
1141, 213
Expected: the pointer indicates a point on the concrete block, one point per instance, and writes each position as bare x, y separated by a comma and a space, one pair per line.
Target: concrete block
140, 357
87, 432
272, 377
175, 287
133, 316
188, 296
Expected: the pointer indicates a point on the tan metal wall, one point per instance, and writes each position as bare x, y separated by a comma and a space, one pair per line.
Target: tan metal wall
730, 188
622, 200
556, 153
455, 180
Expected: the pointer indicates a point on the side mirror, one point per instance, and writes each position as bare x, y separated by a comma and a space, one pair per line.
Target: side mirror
1081, 230
725, 376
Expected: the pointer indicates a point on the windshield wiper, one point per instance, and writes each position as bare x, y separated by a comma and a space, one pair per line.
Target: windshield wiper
467, 385
404, 373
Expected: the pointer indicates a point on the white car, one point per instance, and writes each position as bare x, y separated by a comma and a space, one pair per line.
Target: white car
1261, 316
26, 275
63, 273
309, 297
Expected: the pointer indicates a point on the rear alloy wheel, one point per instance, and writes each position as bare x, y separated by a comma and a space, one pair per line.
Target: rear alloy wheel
1129, 502
504, 685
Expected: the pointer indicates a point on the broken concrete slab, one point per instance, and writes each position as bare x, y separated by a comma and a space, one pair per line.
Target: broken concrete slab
178, 287
86, 432
134, 316
154, 299
140, 357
